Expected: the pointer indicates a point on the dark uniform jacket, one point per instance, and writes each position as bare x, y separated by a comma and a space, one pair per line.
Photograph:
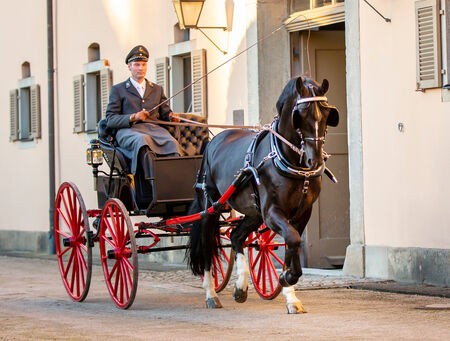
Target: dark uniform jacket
125, 100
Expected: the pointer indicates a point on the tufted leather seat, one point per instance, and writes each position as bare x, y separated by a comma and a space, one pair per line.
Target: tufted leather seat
192, 139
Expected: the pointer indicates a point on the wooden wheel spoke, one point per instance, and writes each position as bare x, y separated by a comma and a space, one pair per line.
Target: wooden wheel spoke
72, 208
119, 232
260, 269
62, 233
273, 235
222, 272
121, 285
69, 263
125, 275
275, 256
108, 241
64, 251
67, 223
82, 260
128, 264
82, 267
258, 256
72, 280
269, 272
224, 254
108, 226
78, 236
116, 283
68, 212
114, 268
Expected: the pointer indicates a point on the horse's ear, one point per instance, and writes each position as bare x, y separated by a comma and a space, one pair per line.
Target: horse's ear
324, 87
333, 117
301, 89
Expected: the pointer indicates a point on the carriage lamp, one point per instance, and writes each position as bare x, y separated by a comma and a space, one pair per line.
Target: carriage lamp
188, 13
94, 154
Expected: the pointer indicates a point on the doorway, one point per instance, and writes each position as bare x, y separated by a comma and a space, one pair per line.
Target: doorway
328, 232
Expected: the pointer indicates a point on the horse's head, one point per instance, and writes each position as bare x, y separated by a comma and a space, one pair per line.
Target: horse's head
304, 117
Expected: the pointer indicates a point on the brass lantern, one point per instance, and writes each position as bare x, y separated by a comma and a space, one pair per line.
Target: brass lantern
94, 154
188, 12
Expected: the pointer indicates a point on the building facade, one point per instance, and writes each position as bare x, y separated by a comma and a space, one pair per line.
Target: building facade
386, 218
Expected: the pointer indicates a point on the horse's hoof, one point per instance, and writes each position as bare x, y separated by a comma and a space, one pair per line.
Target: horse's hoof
240, 296
295, 308
213, 303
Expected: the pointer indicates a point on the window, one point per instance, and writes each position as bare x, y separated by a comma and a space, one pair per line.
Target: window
91, 92
186, 66
432, 44
315, 13
303, 5
25, 108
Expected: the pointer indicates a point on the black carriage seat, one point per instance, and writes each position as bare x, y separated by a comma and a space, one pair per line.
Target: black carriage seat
193, 140
107, 140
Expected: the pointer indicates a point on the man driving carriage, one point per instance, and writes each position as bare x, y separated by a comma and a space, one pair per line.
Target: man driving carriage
130, 109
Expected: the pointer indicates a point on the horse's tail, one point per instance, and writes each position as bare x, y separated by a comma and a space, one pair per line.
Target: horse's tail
205, 233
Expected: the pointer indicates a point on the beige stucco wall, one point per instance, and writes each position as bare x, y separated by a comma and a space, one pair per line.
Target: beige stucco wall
117, 26
24, 166
406, 194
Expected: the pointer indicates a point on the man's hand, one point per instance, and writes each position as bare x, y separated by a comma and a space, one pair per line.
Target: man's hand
140, 116
174, 117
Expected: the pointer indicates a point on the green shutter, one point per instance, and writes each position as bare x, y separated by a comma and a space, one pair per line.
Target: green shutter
35, 124
162, 73
13, 115
428, 58
78, 104
105, 84
198, 61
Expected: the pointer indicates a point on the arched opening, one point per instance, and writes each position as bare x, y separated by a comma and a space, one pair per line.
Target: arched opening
26, 71
93, 52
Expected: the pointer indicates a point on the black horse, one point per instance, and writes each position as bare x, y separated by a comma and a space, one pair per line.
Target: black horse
286, 163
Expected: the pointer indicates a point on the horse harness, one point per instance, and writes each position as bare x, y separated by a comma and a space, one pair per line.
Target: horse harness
282, 165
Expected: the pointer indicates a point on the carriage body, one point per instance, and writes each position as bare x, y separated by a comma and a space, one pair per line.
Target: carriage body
168, 193
170, 189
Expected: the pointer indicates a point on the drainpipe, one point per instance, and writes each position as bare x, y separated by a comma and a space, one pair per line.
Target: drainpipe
51, 127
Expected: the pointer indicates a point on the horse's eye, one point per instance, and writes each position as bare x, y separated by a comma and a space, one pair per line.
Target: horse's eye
305, 105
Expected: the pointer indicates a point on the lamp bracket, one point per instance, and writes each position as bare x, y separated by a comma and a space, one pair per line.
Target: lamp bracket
213, 27
200, 29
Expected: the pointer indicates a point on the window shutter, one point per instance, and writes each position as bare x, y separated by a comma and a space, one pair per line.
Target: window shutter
428, 68
198, 60
78, 104
35, 129
105, 85
162, 74
14, 115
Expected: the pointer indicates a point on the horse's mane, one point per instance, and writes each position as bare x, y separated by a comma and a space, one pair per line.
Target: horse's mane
290, 89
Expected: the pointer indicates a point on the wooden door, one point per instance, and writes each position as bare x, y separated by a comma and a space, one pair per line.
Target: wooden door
327, 234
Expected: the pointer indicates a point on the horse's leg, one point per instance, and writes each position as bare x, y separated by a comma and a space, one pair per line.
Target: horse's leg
238, 237
293, 304
212, 300
280, 224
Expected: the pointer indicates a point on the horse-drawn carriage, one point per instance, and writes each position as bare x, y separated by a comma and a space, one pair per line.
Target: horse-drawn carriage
272, 177
167, 194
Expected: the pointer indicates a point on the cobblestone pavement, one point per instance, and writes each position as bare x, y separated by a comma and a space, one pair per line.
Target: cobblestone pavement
170, 305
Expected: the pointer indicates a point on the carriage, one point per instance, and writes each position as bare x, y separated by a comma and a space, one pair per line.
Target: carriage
163, 200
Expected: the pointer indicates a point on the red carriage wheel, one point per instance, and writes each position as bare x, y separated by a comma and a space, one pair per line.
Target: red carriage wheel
264, 262
118, 253
222, 266
73, 250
